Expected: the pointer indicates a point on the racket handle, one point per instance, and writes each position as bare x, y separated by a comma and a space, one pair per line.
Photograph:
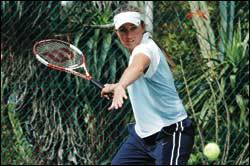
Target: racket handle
100, 86
96, 83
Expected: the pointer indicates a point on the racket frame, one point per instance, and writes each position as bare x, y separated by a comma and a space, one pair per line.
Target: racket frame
70, 69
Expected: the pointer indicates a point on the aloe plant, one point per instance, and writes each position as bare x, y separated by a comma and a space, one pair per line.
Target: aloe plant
226, 22
205, 34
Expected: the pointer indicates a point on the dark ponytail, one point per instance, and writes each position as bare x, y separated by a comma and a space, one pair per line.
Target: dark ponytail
167, 55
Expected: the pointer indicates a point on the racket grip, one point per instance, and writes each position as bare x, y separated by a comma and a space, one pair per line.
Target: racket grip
99, 85
96, 83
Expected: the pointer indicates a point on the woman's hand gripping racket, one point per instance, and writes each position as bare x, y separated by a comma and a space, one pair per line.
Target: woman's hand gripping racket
63, 56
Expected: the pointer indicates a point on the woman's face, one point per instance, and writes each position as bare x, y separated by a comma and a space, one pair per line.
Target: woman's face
130, 35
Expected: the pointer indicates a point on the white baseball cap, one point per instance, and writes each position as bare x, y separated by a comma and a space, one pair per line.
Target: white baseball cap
127, 17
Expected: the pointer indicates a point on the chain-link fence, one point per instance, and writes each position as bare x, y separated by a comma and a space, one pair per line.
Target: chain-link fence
50, 117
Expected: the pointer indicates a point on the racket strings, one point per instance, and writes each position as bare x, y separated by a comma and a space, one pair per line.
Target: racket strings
59, 54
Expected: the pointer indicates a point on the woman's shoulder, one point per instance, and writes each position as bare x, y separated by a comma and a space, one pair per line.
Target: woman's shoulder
142, 48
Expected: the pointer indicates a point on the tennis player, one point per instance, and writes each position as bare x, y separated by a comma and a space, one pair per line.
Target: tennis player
162, 133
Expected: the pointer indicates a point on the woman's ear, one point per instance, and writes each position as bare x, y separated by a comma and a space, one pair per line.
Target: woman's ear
143, 25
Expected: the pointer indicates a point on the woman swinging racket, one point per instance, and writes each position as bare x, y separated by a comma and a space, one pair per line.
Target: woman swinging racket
162, 133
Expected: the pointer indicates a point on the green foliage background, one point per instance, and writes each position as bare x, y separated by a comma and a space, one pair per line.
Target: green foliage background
49, 117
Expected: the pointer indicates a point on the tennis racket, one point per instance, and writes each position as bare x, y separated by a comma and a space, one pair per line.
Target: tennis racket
60, 55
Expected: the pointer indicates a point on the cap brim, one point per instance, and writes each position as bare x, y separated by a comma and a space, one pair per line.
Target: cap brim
127, 17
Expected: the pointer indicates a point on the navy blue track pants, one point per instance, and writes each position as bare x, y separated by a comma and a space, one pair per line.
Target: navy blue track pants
171, 146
